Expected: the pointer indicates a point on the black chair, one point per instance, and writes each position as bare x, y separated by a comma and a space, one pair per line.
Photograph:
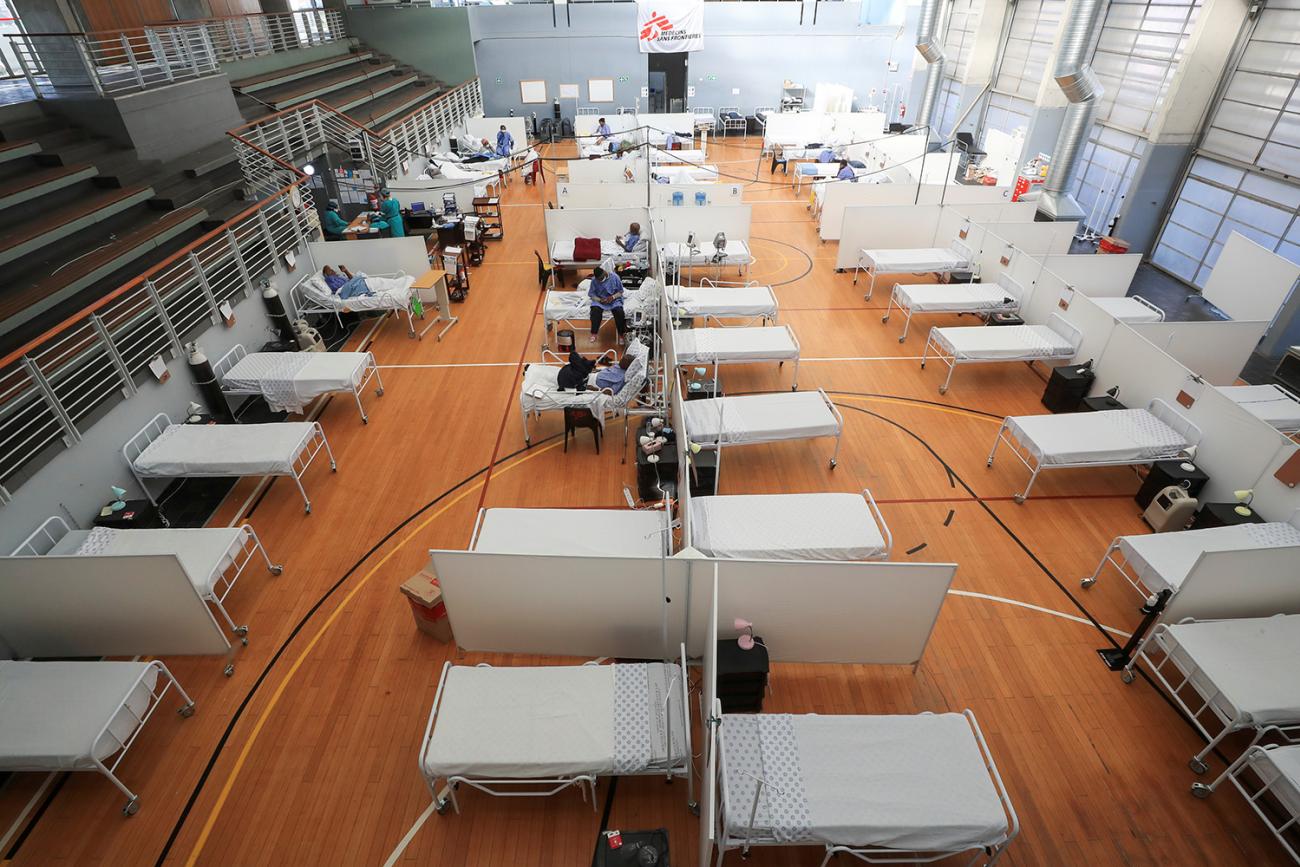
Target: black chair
577, 417
544, 272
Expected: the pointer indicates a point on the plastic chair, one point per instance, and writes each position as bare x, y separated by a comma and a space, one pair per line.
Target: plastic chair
545, 273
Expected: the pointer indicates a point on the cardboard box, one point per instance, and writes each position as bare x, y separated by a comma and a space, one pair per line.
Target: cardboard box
425, 597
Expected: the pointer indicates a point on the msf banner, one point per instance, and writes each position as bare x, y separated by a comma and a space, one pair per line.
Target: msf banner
665, 26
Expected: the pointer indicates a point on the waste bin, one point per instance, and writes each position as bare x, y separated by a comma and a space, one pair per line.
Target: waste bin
564, 341
1110, 244
425, 596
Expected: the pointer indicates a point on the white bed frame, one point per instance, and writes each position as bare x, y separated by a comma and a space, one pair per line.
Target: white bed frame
166, 680
721, 446
674, 268
717, 363
1055, 322
1145, 303
304, 304
729, 125
1202, 707
896, 300
1285, 430
237, 352
302, 458
1284, 818
969, 265
678, 313
745, 838
623, 410
494, 786
1156, 407
43, 539
647, 313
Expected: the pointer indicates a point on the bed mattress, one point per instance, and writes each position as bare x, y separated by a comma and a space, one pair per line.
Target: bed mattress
572, 532
786, 527
529, 723
391, 293
1267, 403
903, 782
52, 712
916, 260
1120, 436
562, 251
953, 297
723, 303
1250, 664
1002, 343
723, 345
695, 157
1280, 766
759, 418
736, 253
204, 552
1162, 560
1127, 309
225, 449
577, 304
289, 380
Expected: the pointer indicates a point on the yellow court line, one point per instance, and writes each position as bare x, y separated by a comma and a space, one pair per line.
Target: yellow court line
904, 402
302, 657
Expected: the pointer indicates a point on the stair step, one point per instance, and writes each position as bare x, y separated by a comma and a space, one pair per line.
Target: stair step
350, 97
81, 151
397, 104
211, 158
24, 238
319, 86
18, 305
29, 185
292, 73
185, 191
18, 149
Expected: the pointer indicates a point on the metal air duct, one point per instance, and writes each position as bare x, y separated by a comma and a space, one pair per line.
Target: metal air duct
1075, 77
930, 46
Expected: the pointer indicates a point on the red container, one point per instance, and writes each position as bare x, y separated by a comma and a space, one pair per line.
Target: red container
1112, 245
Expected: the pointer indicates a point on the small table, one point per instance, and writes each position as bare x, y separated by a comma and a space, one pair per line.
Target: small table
1222, 515
432, 289
360, 226
138, 515
742, 676
1166, 473
1100, 403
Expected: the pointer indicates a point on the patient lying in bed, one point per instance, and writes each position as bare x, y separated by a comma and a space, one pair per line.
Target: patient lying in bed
345, 285
573, 376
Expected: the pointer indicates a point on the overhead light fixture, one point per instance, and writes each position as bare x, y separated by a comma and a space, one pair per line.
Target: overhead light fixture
309, 170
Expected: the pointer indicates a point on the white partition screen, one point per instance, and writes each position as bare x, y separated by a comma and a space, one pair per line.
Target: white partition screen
1271, 279
1238, 584
140, 605
886, 227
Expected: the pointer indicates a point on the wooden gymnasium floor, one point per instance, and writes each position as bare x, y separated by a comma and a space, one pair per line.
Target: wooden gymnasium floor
308, 754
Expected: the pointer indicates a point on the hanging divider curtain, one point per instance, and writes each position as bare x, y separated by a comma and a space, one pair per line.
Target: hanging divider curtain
667, 26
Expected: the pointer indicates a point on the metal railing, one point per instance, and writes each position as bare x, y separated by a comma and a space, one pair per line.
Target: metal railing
56, 386
123, 61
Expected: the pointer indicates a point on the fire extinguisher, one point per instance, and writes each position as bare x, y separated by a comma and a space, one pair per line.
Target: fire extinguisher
902, 110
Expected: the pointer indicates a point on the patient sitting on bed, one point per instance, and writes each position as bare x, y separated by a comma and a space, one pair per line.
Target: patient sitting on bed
345, 285
574, 374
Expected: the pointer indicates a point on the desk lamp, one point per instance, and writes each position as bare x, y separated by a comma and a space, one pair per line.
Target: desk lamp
1243, 502
119, 501
746, 640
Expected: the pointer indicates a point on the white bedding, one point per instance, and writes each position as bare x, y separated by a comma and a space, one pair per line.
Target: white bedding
290, 380
576, 304
695, 157
225, 449
1002, 343
52, 712
954, 297
723, 345
904, 782
1127, 309
540, 389
1162, 560
757, 418
1268, 403
723, 302
681, 173
786, 527
572, 532
562, 253
391, 293
205, 552
736, 252
1116, 436
916, 260
1250, 663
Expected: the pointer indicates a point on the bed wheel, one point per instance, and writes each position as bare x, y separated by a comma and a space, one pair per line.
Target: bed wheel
187, 710
132, 807
943, 389
989, 462
1020, 499
1202, 791
923, 364
277, 569
832, 463
379, 392
365, 419
440, 806
1087, 582
1198, 766
334, 466
229, 669
694, 807
885, 318
1126, 675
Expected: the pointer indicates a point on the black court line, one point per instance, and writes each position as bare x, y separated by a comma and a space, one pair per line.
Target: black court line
919, 547
948, 520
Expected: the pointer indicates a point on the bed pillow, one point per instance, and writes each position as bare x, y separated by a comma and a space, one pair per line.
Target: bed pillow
316, 287
586, 249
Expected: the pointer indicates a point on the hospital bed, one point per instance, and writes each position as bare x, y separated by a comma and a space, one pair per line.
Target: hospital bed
572, 532
444, 158
392, 292
694, 157
1133, 308
533, 732
1111, 438
763, 418
985, 299
737, 345
915, 260
562, 256
722, 300
677, 256
790, 527
79, 716
1270, 403
885, 789
1058, 340
162, 450
1275, 793
540, 391
680, 173
213, 557
1162, 561
574, 307
1239, 673
291, 380
731, 120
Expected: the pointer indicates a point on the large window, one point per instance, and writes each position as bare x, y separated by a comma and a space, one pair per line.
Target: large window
1007, 113
1137, 53
1029, 46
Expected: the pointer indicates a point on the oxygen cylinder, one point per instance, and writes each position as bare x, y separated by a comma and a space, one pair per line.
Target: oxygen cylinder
275, 310
206, 380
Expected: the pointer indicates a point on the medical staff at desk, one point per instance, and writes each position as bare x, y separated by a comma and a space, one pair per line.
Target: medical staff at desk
335, 225
392, 213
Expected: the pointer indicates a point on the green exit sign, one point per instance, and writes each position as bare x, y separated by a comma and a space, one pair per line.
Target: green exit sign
623, 78
710, 78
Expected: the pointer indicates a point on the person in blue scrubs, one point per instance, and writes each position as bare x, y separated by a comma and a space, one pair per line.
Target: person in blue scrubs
505, 142
846, 172
629, 241
606, 294
826, 156
334, 224
392, 211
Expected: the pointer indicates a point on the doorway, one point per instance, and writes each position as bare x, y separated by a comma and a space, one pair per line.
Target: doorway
667, 82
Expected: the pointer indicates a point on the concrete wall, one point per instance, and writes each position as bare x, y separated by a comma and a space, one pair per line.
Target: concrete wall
253, 66
435, 41
750, 47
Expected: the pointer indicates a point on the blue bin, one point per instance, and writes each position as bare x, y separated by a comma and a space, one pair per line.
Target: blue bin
701, 198
678, 199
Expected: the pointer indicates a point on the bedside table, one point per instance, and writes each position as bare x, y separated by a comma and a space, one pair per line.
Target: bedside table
1100, 403
1166, 473
138, 515
742, 676
1222, 515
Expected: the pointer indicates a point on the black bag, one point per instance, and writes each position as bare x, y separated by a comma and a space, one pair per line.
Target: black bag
574, 374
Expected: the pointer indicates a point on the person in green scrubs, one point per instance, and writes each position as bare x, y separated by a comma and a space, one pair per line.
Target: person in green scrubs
392, 212
335, 225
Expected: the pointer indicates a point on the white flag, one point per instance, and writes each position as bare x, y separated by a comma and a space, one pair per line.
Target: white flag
665, 26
